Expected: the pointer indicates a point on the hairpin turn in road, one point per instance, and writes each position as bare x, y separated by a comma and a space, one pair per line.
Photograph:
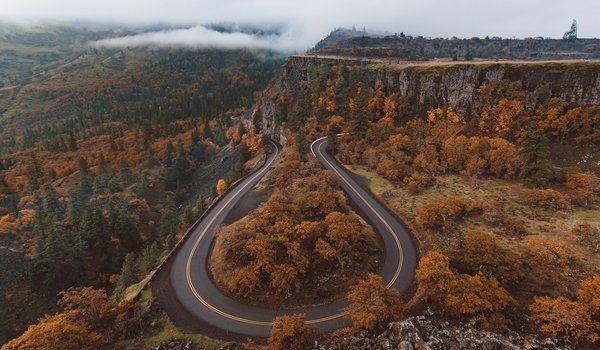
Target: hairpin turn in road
196, 292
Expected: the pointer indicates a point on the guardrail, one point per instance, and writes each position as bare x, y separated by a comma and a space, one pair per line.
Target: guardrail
146, 281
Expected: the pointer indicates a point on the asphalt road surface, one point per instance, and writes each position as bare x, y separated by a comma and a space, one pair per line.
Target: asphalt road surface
198, 295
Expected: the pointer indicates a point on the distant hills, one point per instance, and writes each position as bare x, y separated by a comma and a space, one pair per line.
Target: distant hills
351, 42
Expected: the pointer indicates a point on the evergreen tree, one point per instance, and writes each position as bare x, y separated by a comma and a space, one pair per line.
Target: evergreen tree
220, 138
59, 260
34, 172
102, 165
342, 92
207, 132
124, 172
537, 168
149, 258
300, 143
360, 113
197, 148
332, 138
72, 142
168, 159
85, 181
127, 277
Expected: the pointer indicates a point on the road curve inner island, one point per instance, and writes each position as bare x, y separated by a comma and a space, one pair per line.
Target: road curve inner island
199, 296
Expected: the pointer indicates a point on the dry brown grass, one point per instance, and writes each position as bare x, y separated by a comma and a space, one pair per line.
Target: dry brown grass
502, 199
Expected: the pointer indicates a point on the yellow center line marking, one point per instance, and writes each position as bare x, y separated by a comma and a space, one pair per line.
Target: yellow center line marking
208, 226
401, 259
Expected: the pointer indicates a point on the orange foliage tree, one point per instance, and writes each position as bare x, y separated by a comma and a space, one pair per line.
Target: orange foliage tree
564, 319
304, 227
481, 253
221, 186
444, 214
372, 304
480, 297
584, 186
291, 333
90, 320
461, 294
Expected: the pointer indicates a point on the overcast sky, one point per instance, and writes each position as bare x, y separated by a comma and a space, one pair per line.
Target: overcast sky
307, 21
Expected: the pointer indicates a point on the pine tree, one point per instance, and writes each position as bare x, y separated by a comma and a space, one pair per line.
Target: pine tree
127, 276
59, 260
85, 182
124, 172
360, 114
220, 138
537, 168
301, 144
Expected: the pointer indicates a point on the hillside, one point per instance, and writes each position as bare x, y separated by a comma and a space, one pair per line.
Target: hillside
108, 155
490, 167
423, 49
493, 165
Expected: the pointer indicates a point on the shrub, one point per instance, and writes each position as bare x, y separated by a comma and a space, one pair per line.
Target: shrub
547, 199
588, 235
418, 182
514, 226
550, 252
446, 213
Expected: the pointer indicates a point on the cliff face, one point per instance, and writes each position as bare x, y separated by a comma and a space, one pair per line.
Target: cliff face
440, 84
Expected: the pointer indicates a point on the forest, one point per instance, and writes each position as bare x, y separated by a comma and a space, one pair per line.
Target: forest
99, 180
507, 238
303, 245
107, 156
418, 48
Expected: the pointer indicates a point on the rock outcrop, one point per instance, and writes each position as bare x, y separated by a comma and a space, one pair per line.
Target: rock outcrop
438, 83
427, 333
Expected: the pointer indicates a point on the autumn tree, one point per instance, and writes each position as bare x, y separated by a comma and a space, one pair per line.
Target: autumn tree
390, 107
372, 304
445, 214
221, 186
480, 297
584, 186
304, 230
551, 252
291, 332
589, 294
564, 319
61, 331
344, 233
89, 320
434, 275
481, 253
377, 100
462, 294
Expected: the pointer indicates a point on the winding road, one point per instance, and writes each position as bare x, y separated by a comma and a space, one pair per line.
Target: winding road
197, 294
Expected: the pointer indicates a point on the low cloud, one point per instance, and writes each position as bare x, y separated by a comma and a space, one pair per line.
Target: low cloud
308, 21
201, 37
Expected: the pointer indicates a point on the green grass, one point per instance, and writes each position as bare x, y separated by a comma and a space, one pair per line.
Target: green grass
167, 330
376, 182
133, 290
589, 215
145, 298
